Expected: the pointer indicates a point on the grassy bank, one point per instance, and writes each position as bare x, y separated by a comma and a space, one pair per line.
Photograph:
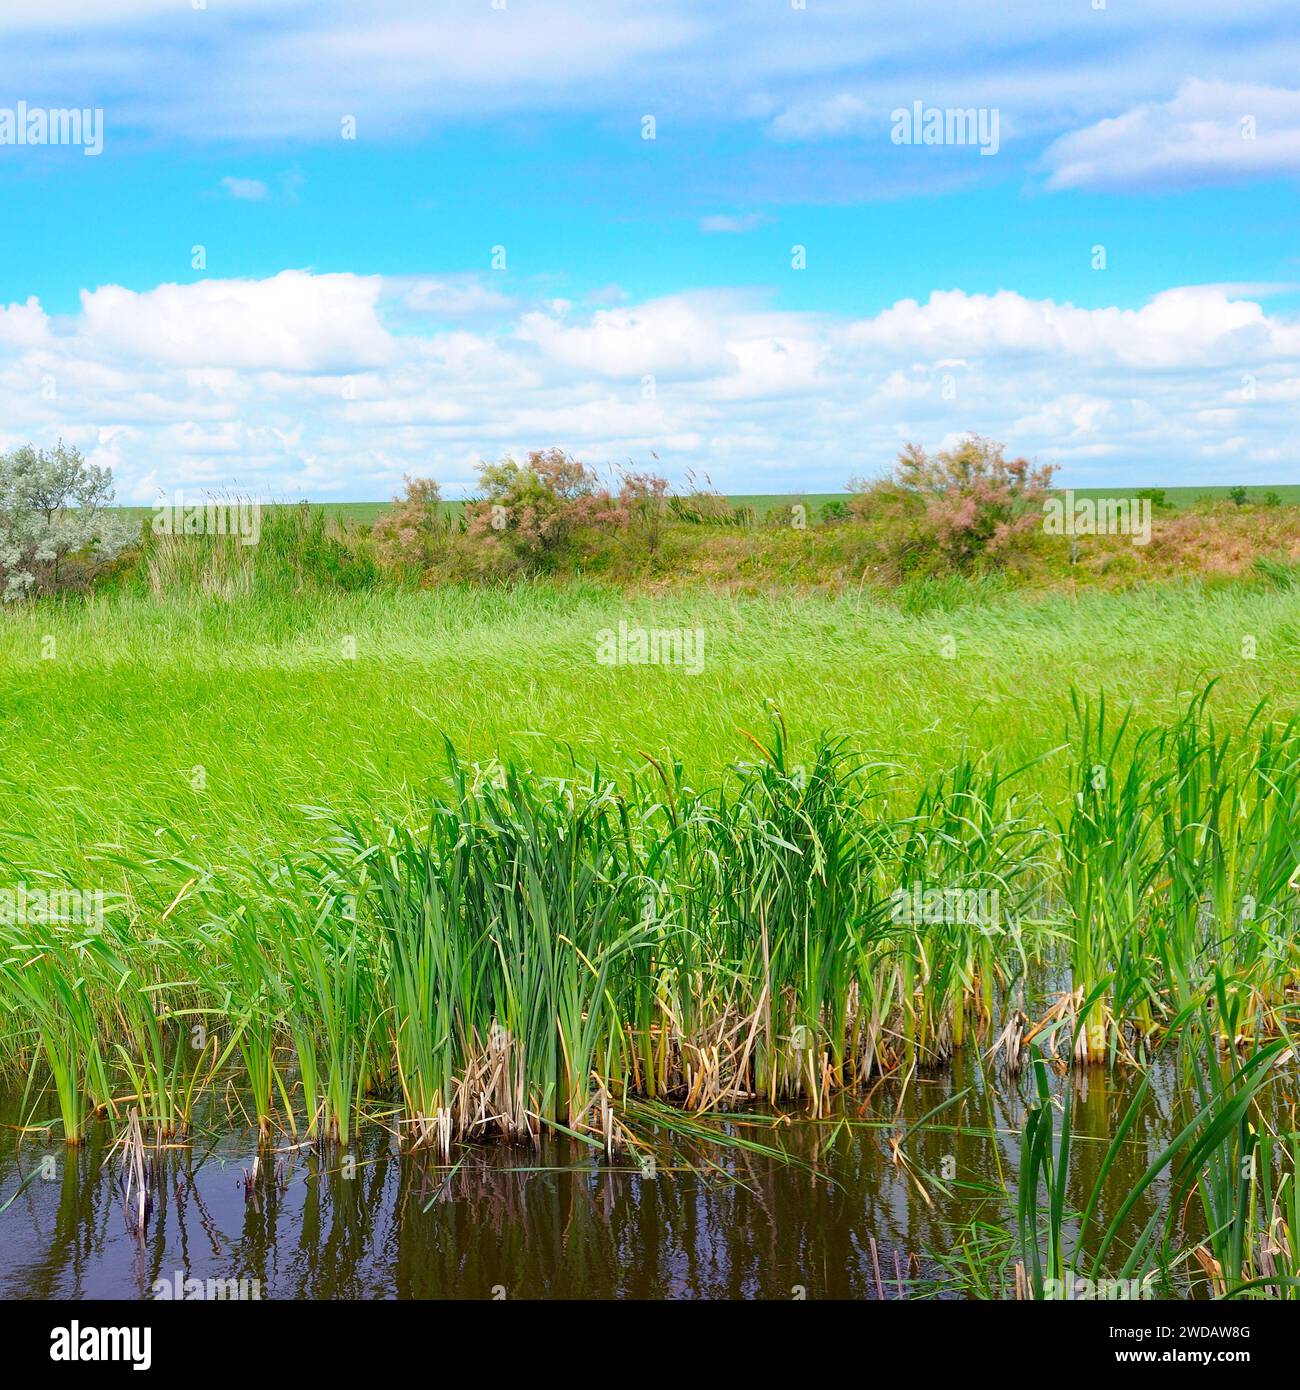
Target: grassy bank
762, 545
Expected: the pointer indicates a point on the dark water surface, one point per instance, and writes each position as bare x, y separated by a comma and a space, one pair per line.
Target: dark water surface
559, 1221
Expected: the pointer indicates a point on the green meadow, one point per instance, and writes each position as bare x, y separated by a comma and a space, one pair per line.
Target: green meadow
335, 699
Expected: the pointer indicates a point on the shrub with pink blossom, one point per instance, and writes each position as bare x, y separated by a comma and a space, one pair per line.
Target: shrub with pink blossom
964, 507
644, 499
415, 532
530, 512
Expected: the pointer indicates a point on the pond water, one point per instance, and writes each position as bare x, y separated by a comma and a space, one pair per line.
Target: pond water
560, 1220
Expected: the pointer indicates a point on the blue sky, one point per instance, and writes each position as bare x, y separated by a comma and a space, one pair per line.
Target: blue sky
346, 323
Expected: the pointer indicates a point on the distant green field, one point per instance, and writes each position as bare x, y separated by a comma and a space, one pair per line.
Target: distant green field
1177, 497
362, 512
1187, 496
367, 513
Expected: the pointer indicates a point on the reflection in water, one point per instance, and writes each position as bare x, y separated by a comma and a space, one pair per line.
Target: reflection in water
557, 1221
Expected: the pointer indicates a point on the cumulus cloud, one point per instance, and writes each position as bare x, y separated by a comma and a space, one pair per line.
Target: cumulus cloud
1189, 328
24, 325
331, 385
294, 321
1210, 132
677, 337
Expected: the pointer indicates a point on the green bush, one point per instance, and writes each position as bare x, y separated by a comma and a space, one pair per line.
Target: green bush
57, 526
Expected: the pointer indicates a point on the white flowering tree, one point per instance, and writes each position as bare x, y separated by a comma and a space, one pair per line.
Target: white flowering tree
55, 507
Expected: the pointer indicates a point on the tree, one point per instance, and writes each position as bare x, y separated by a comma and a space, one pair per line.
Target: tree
53, 506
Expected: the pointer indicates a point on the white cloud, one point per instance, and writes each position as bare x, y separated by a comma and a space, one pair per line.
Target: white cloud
400, 65
725, 222
25, 325
35, 15
1210, 132
674, 338
246, 190
1188, 328
332, 385
455, 298
821, 117
294, 321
